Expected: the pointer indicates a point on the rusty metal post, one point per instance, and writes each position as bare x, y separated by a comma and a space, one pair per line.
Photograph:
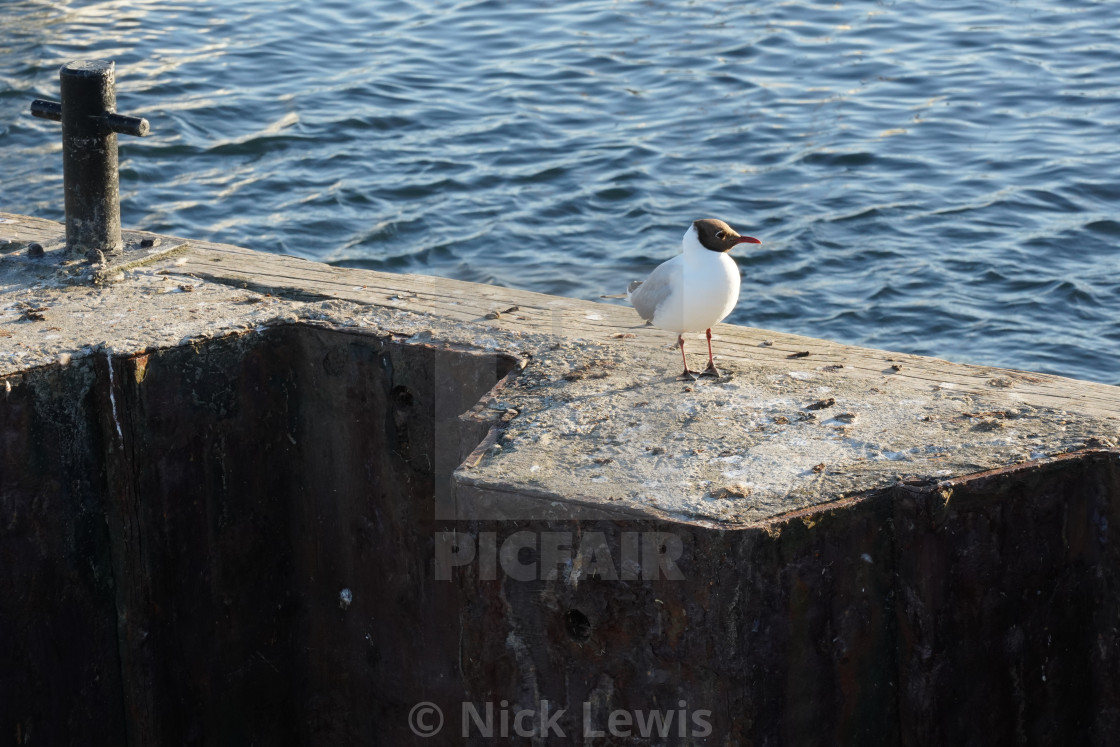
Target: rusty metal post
89, 153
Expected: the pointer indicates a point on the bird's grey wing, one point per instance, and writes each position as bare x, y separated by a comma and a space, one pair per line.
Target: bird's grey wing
648, 294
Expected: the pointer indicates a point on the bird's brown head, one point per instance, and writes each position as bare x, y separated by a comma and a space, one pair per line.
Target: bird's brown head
717, 236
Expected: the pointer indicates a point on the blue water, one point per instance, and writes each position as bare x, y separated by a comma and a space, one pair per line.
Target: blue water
936, 177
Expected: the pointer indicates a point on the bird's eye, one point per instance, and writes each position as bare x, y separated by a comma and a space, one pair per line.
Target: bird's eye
721, 235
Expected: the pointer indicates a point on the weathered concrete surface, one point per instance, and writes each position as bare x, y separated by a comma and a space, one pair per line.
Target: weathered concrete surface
631, 438
751, 447
200, 456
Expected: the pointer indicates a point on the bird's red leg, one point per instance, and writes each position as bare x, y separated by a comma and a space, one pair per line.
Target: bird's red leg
687, 375
711, 370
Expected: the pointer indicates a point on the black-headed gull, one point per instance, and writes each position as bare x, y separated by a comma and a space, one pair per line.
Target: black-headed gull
694, 290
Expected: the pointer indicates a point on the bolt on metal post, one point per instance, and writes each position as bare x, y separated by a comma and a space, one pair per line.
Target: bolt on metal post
90, 171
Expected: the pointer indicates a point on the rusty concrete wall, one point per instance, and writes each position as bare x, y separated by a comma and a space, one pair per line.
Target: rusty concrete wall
216, 505
978, 612
59, 674
786, 638
1009, 606
178, 580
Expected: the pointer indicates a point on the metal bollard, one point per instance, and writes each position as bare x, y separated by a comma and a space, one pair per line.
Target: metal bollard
89, 153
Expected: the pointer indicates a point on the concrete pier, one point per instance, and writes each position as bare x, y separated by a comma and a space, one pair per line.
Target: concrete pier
247, 497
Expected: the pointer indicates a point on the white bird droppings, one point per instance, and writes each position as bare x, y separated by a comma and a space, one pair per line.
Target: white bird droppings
113, 397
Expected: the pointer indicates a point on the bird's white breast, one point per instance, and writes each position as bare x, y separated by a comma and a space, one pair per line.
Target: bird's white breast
705, 289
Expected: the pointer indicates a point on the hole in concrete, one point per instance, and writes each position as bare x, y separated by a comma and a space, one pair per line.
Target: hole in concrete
577, 624
183, 542
401, 396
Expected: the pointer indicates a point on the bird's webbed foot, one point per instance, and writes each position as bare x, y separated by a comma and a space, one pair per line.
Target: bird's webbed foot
712, 371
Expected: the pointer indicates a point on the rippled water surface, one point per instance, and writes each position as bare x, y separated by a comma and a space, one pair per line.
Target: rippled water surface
934, 177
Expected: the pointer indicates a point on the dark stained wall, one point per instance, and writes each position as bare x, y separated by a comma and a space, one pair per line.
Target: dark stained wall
177, 581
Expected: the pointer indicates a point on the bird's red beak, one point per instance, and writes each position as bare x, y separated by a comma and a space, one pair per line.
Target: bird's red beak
747, 240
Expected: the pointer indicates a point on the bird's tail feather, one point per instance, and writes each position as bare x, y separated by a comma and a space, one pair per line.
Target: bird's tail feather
629, 289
